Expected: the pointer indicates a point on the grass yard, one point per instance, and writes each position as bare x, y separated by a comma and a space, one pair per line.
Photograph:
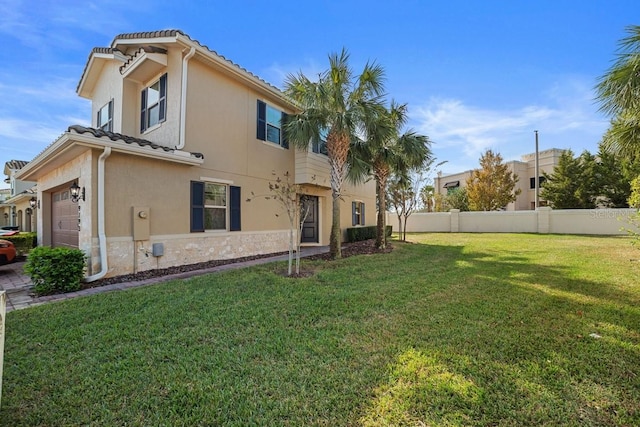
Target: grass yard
451, 329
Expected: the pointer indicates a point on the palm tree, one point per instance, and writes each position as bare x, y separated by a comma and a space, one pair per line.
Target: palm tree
618, 92
337, 103
384, 150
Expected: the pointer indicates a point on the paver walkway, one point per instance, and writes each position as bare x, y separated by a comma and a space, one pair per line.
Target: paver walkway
18, 286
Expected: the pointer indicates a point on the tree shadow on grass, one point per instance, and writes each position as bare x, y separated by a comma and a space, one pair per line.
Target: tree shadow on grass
494, 338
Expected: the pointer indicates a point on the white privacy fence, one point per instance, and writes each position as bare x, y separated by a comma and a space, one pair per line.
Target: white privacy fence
543, 220
3, 313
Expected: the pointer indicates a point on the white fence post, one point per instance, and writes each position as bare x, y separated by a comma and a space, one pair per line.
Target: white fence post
3, 313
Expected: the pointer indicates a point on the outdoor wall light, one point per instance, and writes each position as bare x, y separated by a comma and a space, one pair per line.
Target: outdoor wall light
33, 203
77, 193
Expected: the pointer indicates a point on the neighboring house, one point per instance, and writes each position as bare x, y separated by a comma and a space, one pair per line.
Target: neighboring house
16, 209
5, 209
180, 138
524, 169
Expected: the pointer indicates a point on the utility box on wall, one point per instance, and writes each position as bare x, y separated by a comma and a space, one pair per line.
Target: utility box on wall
157, 249
141, 223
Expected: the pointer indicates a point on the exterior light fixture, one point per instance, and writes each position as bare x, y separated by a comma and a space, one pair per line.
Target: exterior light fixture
33, 203
77, 193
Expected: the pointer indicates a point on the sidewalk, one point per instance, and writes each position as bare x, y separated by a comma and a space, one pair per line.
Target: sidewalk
18, 286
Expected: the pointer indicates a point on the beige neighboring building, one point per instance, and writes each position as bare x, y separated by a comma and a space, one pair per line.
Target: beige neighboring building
524, 169
5, 208
18, 203
180, 138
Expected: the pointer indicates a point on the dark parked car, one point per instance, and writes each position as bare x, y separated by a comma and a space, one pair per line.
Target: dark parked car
7, 252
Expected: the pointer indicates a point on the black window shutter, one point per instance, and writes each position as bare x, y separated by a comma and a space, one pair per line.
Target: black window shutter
143, 111
262, 121
283, 134
234, 208
162, 103
362, 214
354, 218
197, 206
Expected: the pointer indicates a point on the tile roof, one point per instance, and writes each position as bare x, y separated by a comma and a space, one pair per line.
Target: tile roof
149, 34
170, 33
104, 50
99, 133
16, 164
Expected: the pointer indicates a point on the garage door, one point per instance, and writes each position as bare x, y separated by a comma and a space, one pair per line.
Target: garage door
64, 220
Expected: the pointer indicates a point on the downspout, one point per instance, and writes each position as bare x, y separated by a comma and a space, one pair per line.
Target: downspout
102, 238
183, 98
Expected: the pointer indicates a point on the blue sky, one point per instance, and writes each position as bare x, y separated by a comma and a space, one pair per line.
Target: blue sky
476, 75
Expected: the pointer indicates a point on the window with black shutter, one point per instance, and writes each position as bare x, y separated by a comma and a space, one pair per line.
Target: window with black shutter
215, 206
197, 206
153, 104
269, 126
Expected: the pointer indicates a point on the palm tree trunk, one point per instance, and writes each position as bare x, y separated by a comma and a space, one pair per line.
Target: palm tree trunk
337, 150
381, 174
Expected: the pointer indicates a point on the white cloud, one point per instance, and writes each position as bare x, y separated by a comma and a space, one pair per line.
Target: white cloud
26, 130
567, 118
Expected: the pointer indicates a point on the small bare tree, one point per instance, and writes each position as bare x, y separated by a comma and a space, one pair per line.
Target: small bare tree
403, 194
296, 207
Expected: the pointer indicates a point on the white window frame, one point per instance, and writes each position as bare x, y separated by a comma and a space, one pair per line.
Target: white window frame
160, 104
225, 207
101, 123
274, 124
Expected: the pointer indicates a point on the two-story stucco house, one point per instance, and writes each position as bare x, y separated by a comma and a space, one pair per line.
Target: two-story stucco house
180, 139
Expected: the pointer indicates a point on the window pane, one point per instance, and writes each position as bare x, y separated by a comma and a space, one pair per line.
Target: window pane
273, 134
104, 116
215, 195
273, 116
153, 94
273, 124
215, 219
153, 115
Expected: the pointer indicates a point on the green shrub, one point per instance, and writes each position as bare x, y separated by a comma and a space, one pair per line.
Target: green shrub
55, 270
357, 234
24, 242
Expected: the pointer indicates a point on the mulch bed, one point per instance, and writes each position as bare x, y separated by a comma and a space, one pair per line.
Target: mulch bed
366, 247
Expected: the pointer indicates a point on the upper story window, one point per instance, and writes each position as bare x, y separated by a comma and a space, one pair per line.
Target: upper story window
105, 117
320, 146
154, 104
532, 182
269, 126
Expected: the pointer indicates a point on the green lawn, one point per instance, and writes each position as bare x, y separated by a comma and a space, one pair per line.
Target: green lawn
452, 329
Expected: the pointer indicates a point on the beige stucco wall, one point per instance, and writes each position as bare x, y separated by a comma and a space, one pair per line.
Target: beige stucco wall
109, 86
168, 131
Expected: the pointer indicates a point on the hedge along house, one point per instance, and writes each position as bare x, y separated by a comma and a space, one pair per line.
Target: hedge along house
180, 139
